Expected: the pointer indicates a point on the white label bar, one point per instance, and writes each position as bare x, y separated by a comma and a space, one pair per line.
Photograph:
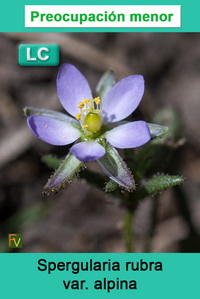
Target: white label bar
102, 16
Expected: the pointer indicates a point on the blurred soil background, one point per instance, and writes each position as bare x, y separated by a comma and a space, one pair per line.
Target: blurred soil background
81, 218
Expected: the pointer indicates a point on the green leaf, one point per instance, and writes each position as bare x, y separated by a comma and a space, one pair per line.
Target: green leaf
158, 183
157, 130
116, 169
63, 175
111, 186
105, 83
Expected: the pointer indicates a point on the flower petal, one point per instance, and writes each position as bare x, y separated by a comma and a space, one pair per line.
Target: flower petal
115, 168
88, 150
130, 135
123, 98
52, 131
65, 172
50, 113
72, 88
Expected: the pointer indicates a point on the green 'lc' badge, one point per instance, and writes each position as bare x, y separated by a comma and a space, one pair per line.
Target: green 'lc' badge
38, 55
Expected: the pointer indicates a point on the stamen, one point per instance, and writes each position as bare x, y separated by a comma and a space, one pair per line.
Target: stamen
81, 105
78, 116
97, 100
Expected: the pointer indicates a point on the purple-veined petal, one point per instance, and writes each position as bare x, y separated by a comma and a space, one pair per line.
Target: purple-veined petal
88, 151
50, 113
130, 135
123, 98
72, 88
52, 131
65, 172
115, 168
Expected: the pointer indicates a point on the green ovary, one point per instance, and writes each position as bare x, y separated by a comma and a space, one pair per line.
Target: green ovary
92, 122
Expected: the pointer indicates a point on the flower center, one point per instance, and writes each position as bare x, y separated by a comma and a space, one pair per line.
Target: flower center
93, 122
90, 115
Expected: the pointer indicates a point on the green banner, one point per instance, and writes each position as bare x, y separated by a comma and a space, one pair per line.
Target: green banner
13, 16
100, 275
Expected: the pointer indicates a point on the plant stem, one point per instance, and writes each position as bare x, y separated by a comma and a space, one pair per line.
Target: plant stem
128, 231
152, 224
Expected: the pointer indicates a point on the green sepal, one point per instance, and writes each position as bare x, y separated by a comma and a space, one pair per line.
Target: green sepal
69, 167
159, 154
50, 113
91, 177
170, 118
116, 169
157, 184
105, 83
157, 130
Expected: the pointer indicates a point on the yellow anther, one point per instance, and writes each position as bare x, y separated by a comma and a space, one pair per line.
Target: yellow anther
86, 101
81, 105
78, 116
97, 100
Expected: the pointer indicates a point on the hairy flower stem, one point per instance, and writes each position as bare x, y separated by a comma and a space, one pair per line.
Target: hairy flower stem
128, 230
